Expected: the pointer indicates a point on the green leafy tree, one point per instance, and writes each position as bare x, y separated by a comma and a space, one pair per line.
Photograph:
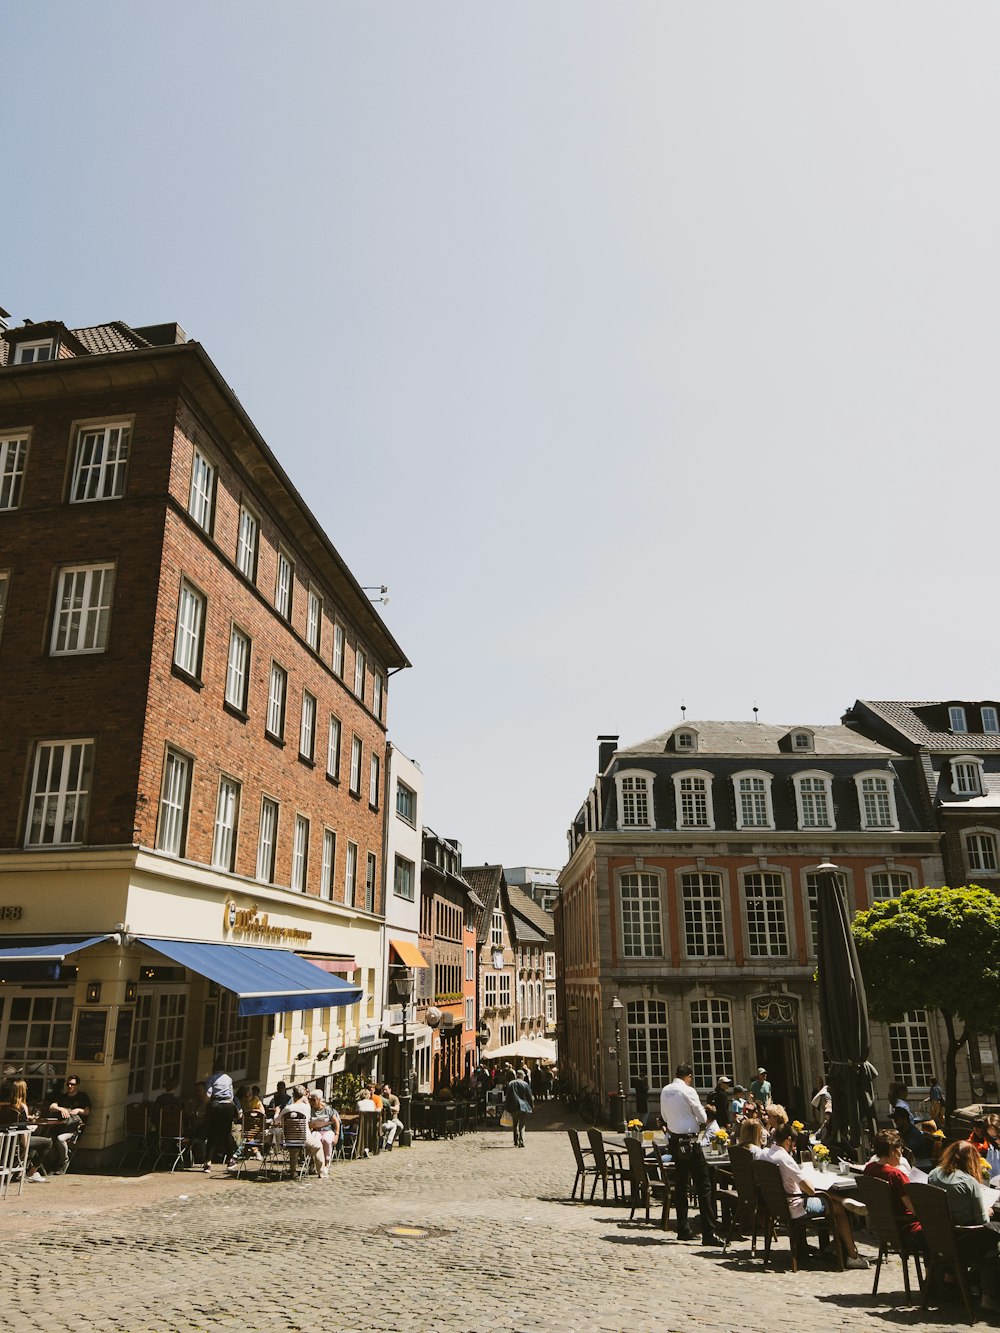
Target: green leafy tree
934, 949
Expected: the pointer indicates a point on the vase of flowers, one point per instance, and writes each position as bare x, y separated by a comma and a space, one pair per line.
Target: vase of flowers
719, 1140
821, 1156
633, 1129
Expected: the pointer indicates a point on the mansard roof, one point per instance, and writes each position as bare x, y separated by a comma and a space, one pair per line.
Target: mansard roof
758, 740
924, 722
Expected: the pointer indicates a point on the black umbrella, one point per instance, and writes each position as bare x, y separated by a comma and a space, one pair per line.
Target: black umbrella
843, 1012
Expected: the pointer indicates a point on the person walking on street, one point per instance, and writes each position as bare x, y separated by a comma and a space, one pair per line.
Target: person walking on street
518, 1101
219, 1116
684, 1117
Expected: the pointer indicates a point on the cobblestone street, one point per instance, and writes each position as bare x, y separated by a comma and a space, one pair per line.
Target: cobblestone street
504, 1250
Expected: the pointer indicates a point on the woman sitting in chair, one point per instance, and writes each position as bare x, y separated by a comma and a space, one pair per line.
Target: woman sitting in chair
885, 1166
299, 1109
960, 1174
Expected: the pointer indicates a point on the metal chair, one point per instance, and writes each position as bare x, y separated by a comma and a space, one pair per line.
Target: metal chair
171, 1138
136, 1134
13, 1158
941, 1240
583, 1167
253, 1144
744, 1204
771, 1192
883, 1220
645, 1187
294, 1129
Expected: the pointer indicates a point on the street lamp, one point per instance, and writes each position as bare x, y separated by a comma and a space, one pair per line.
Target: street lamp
404, 989
617, 1009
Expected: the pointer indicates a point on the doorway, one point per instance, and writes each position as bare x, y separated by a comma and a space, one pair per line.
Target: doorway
778, 1052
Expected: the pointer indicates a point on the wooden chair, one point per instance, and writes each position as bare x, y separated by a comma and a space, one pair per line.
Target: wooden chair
137, 1139
744, 1205
883, 1221
607, 1168
941, 1241
645, 1187
171, 1138
774, 1200
583, 1167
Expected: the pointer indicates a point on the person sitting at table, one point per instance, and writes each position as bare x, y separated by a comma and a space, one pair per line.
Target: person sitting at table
915, 1145
73, 1106
169, 1096
325, 1122
280, 1097
250, 1099
775, 1121
885, 1165
803, 1200
711, 1127
39, 1146
751, 1137
391, 1124
960, 1174
299, 1107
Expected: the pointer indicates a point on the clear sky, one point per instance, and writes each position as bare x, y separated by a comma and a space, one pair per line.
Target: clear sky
647, 351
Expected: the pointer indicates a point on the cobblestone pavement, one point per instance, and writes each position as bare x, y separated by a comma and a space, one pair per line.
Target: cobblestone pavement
504, 1249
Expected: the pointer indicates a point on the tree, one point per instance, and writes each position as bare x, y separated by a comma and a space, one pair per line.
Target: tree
934, 949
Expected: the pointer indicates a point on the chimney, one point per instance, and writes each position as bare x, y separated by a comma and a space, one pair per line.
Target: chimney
606, 746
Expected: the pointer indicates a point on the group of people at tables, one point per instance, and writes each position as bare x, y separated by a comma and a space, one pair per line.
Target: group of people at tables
53, 1128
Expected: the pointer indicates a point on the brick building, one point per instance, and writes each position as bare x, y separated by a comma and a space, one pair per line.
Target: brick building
194, 743
447, 940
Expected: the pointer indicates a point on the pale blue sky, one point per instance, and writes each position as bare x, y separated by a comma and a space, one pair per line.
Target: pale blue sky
648, 352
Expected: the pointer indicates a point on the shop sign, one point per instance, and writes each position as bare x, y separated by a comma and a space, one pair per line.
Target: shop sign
11, 912
250, 924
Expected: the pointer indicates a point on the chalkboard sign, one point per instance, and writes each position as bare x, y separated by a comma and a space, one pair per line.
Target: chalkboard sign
123, 1034
91, 1025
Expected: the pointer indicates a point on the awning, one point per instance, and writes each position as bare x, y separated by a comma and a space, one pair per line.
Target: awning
267, 981
408, 954
46, 955
334, 965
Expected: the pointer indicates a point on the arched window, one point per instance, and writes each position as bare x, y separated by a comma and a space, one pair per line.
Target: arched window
967, 775
635, 799
876, 801
981, 851
693, 794
814, 800
753, 800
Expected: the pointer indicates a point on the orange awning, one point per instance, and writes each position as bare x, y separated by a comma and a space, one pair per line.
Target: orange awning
408, 954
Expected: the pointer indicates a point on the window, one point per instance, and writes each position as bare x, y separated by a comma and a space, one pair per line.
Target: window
267, 841
812, 903
640, 902
470, 964
100, 463
377, 694
333, 748
26, 354
490, 990
201, 500
355, 785
956, 719
283, 586
314, 619
338, 650
550, 967
83, 609
328, 868
704, 936
814, 800
496, 929
277, 687
802, 742
889, 884
248, 544
967, 776
238, 670
910, 1050
991, 721
403, 879
711, 1041
300, 853
634, 800
373, 782
171, 829
876, 801
307, 726
981, 851
753, 800
470, 1013
60, 793
685, 740
406, 803
764, 895
226, 814
189, 632
350, 873
370, 882
504, 990
13, 453
359, 674
693, 793
648, 1042
550, 1006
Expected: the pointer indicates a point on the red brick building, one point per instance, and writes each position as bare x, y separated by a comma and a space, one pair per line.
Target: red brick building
193, 747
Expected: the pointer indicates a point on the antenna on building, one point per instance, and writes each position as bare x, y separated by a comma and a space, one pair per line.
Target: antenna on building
684, 709
380, 590
756, 710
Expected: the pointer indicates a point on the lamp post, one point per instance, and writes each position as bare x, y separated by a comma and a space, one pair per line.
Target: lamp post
404, 989
617, 1009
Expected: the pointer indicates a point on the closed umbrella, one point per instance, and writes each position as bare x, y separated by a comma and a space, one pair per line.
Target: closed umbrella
843, 1012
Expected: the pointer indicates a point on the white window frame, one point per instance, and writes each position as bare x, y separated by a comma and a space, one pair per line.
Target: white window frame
284, 581
505, 990
300, 854
267, 839
805, 798
766, 913
378, 693
373, 781
990, 719
82, 619
490, 989
60, 793
470, 964
189, 631
13, 462
175, 801
682, 797
550, 967
703, 906
201, 495
354, 787
36, 347
811, 886
641, 912
360, 666
979, 846
371, 882
328, 868
882, 878
753, 798
238, 669
402, 866
967, 775
635, 799
314, 619
307, 727
111, 442
496, 929
351, 874
333, 739
803, 741
711, 1027
338, 650
686, 741
957, 721
227, 812
410, 799
911, 1050
277, 694
248, 544
890, 793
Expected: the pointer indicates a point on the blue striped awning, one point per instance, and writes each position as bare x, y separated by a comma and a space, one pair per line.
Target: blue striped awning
42, 955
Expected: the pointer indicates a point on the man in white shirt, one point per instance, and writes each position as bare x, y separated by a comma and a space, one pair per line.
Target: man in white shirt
684, 1117
802, 1198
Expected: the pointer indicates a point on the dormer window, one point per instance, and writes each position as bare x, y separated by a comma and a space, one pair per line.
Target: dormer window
635, 800
814, 800
967, 775
753, 800
956, 719
27, 352
802, 742
686, 741
991, 722
876, 801
693, 794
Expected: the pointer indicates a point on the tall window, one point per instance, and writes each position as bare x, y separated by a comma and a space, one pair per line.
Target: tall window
356, 766
359, 673
238, 670
314, 619
283, 586
693, 794
505, 990
338, 650
496, 929
328, 868
634, 800
350, 874
377, 694
307, 726
991, 720
812, 902
189, 631
371, 872
889, 884
100, 463
276, 691
640, 900
60, 793
248, 544
814, 800
981, 851
753, 800
373, 781
201, 499
875, 797
711, 1041
967, 777
470, 964
403, 879
648, 1042
490, 990
956, 719
267, 841
13, 453
300, 853
83, 609
333, 748
226, 814
704, 936
910, 1050
764, 894
171, 828
406, 803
